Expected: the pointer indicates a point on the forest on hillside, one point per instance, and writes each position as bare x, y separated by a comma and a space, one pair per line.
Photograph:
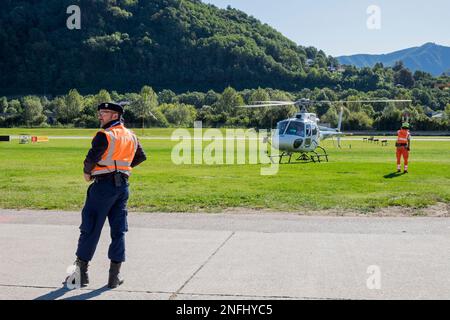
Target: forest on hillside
183, 60
220, 109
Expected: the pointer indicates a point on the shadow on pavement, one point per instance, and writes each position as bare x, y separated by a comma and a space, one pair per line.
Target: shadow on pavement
393, 175
53, 295
89, 295
58, 293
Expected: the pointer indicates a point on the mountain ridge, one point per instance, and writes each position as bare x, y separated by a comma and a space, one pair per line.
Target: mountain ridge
429, 57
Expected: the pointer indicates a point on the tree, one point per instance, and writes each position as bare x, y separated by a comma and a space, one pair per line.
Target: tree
211, 97
368, 109
3, 104
358, 121
12, 115
166, 96
268, 117
229, 100
260, 117
398, 66
71, 108
378, 66
259, 95
447, 111
14, 107
102, 96
32, 111
331, 117
192, 98
354, 106
59, 106
389, 119
425, 77
145, 106
405, 78
115, 96
180, 115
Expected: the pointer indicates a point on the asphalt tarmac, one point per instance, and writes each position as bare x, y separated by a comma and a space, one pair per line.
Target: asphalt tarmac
232, 256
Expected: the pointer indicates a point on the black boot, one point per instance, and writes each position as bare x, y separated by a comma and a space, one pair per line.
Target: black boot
115, 279
84, 276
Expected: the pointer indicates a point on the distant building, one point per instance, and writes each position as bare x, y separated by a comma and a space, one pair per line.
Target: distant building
336, 69
442, 86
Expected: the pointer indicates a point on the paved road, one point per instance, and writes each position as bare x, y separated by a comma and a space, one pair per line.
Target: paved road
233, 256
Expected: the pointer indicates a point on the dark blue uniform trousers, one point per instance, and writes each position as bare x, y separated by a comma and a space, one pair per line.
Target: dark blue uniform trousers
104, 200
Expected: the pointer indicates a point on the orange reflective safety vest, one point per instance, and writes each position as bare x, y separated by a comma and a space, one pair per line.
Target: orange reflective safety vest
402, 136
122, 146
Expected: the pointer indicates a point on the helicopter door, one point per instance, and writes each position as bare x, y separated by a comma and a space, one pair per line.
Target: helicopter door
308, 136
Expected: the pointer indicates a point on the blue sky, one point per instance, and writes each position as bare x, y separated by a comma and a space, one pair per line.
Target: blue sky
339, 27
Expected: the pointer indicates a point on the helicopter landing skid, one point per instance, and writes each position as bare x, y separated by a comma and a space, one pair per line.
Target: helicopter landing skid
311, 156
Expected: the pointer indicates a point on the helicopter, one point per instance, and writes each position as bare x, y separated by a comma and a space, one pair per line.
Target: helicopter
302, 134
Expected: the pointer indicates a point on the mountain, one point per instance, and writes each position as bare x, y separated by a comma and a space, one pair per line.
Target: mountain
125, 44
430, 57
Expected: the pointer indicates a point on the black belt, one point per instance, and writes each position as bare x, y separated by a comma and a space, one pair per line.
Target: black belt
109, 176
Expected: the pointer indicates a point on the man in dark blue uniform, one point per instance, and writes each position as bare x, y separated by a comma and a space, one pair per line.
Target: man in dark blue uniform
115, 151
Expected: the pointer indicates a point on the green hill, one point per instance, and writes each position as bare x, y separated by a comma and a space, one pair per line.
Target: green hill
124, 44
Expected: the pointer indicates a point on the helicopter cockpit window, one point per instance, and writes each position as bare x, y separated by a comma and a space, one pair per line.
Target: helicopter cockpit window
281, 126
296, 128
308, 130
314, 130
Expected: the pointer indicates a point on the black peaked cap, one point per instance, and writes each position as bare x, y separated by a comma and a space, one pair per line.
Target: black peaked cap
110, 106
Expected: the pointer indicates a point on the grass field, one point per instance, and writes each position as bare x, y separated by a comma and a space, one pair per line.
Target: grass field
49, 176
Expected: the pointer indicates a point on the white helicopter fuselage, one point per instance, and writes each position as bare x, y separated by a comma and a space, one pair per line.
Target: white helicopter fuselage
300, 134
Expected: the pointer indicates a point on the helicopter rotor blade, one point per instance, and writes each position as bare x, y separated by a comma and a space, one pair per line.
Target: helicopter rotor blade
373, 101
272, 101
268, 105
153, 116
323, 101
355, 101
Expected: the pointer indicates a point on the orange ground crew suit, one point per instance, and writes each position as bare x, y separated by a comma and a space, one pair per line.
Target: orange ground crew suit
403, 143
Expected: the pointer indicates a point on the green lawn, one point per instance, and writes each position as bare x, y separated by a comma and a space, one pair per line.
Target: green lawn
49, 176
